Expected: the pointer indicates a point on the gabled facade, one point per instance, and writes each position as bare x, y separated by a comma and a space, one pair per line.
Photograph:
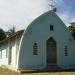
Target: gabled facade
46, 41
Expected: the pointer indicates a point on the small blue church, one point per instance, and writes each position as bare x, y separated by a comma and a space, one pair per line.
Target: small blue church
45, 42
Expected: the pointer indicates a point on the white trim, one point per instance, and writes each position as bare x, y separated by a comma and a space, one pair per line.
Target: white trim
18, 54
57, 49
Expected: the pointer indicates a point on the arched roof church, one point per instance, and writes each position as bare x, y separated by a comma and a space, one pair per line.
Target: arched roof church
46, 42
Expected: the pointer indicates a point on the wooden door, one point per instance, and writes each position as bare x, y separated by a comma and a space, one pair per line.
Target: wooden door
51, 51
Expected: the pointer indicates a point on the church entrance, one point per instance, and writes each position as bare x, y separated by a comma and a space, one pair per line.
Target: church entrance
51, 52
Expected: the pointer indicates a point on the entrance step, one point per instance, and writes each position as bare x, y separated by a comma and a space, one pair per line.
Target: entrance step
53, 68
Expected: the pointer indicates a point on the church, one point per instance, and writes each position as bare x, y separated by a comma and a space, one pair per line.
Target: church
45, 42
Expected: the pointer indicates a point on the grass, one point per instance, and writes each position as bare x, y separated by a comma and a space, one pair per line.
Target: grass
5, 71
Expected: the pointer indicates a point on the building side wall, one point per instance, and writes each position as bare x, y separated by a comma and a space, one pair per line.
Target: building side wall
9, 51
3, 55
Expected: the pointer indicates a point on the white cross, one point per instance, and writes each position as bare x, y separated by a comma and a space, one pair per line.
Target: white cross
51, 5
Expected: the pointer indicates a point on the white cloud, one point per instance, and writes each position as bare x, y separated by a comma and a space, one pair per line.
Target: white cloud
64, 17
73, 20
20, 12
59, 2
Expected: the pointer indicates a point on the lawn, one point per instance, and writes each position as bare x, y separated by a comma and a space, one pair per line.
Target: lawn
4, 71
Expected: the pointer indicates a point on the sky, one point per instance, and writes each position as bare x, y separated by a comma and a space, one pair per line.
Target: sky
66, 10
20, 13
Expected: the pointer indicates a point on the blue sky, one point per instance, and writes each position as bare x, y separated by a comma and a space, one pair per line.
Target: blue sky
66, 10
20, 13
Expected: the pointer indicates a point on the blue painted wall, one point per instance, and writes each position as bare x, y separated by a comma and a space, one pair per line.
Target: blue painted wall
39, 31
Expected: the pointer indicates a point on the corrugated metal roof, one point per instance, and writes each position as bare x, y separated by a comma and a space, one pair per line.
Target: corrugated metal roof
13, 35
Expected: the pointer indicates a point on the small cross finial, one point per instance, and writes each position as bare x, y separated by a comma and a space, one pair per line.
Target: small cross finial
51, 5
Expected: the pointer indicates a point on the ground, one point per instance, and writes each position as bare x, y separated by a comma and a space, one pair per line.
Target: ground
4, 71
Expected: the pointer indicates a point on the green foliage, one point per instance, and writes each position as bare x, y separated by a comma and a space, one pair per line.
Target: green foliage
72, 29
2, 34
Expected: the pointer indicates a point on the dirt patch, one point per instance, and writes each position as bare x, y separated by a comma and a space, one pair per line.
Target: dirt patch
5, 71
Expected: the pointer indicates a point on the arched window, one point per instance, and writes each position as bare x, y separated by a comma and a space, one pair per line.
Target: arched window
35, 49
66, 50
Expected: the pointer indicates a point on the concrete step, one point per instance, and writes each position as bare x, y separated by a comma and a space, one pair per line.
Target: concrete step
52, 68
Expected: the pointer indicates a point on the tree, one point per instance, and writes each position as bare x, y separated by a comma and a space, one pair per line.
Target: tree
2, 34
72, 29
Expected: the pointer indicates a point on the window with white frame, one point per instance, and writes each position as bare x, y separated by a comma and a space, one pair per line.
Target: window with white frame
66, 51
35, 49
